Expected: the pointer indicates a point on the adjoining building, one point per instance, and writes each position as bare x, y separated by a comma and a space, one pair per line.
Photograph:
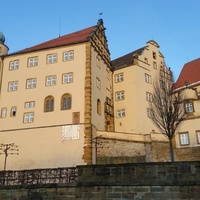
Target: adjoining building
188, 82
54, 96
133, 86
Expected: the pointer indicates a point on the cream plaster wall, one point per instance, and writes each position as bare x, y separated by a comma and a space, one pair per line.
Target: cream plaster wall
42, 148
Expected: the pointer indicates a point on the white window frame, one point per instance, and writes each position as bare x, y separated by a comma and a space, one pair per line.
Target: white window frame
68, 55
119, 77
148, 78
198, 136
13, 111
50, 80
52, 58
149, 96
189, 107
31, 83
32, 62
98, 83
12, 86
119, 95
120, 113
3, 112
149, 112
67, 78
14, 65
29, 104
28, 117
184, 138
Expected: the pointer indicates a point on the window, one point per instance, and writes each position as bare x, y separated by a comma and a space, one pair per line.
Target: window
67, 78
14, 65
31, 83
51, 58
13, 111
149, 96
147, 78
121, 113
30, 104
154, 55
108, 74
12, 86
98, 83
66, 102
154, 65
198, 136
98, 106
68, 55
28, 117
32, 62
119, 77
3, 112
50, 80
119, 95
49, 104
149, 113
189, 107
146, 60
184, 138
108, 93
98, 62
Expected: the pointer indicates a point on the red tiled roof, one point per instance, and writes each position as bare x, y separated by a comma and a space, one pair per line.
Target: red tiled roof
125, 60
72, 38
190, 74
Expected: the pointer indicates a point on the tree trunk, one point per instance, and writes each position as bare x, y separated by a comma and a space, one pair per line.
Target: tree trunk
171, 150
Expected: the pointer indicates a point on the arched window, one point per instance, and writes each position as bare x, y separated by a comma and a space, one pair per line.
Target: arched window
98, 106
66, 102
48, 104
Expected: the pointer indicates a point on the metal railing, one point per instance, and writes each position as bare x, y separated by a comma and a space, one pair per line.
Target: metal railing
39, 176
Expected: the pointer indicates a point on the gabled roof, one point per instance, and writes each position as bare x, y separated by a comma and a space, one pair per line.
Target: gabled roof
126, 60
72, 38
190, 75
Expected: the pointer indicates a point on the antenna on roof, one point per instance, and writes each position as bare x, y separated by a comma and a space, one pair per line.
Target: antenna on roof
100, 15
59, 27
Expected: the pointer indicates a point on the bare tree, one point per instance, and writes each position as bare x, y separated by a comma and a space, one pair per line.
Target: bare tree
167, 107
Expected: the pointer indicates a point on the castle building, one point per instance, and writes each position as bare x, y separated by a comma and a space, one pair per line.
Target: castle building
133, 87
54, 96
188, 83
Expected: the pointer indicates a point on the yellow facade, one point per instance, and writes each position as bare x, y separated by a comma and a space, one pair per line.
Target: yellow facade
50, 108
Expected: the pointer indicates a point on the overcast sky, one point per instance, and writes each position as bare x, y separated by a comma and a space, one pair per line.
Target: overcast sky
173, 24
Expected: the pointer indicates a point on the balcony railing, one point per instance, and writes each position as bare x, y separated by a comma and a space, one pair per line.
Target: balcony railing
39, 176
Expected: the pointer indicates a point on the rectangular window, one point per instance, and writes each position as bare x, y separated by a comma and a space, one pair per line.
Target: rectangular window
68, 55
67, 78
14, 65
149, 96
149, 113
154, 55
52, 58
12, 86
119, 95
119, 77
184, 138
29, 104
146, 60
198, 136
3, 112
189, 107
147, 78
32, 62
50, 80
98, 83
98, 62
121, 113
154, 65
31, 83
28, 117
13, 111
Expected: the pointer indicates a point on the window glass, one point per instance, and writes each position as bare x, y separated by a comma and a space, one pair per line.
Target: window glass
184, 139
